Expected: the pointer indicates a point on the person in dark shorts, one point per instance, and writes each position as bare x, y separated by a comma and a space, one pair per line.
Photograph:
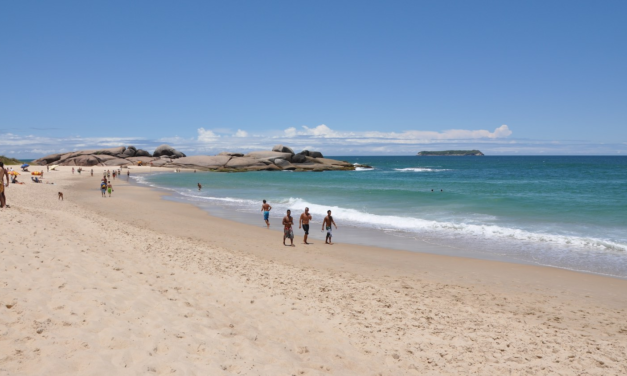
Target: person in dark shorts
288, 222
304, 223
327, 222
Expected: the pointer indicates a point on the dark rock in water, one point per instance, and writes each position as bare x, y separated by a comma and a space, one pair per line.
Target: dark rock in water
299, 158
362, 165
282, 149
305, 153
167, 150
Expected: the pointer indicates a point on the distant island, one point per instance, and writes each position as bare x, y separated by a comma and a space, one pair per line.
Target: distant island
450, 153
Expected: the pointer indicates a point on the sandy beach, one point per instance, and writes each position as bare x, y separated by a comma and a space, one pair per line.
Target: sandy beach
135, 284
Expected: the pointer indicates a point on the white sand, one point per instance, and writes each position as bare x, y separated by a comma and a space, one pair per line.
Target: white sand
137, 285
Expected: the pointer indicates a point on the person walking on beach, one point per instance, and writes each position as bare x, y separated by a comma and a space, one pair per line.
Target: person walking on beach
72, 170
327, 222
304, 223
3, 175
199, 186
110, 188
288, 222
92, 172
128, 173
265, 208
103, 187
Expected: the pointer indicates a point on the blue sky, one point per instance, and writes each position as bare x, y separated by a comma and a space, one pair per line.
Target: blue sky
362, 77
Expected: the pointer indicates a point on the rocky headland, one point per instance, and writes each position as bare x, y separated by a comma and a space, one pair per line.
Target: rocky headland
278, 159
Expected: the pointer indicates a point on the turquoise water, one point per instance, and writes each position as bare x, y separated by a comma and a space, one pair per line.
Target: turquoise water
568, 212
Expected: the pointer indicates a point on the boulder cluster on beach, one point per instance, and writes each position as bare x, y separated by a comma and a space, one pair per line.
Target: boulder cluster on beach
278, 159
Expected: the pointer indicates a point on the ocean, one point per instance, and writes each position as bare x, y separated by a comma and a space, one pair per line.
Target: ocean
561, 211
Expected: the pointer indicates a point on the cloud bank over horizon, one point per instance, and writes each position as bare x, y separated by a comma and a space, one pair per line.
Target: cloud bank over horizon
321, 138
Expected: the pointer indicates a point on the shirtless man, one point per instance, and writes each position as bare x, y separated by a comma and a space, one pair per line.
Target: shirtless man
327, 222
3, 175
199, 186
288, 221
265, 208
304, 223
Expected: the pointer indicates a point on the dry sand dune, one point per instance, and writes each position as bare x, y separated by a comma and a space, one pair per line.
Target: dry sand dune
136, 285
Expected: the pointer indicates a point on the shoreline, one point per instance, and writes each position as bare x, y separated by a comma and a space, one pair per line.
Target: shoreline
366, 237
134, 275
402, 261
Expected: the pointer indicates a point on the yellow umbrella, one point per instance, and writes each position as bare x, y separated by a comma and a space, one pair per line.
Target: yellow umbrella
14, 173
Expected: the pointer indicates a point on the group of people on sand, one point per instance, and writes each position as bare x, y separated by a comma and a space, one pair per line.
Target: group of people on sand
303, 222
105, 182
106, 187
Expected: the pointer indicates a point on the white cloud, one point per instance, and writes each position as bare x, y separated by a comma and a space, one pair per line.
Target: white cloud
240, 133
323, 131
291, 132
206, 135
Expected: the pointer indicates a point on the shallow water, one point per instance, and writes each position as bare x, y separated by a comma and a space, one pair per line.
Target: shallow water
567, 212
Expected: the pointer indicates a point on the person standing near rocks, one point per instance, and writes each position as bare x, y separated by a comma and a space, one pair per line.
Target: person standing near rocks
304, 223
3, 175
288, 222
327, 222
265, 208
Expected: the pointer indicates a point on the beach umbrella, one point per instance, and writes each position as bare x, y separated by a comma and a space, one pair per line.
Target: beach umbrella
25, 165
14, 173
54, 167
